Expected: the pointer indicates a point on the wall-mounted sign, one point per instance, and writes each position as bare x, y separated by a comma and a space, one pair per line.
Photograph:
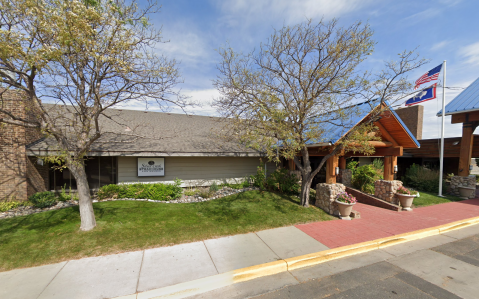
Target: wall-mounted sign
151, 166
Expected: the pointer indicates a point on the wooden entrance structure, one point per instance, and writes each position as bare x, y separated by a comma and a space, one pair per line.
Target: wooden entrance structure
395, 137
465, 109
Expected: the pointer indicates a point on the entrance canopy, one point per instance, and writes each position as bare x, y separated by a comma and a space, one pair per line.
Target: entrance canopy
465, 109
395, 136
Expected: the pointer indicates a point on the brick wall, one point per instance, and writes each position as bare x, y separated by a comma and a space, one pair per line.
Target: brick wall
15, 167
412, 117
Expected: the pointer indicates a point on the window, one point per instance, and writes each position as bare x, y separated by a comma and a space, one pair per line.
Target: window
100, 171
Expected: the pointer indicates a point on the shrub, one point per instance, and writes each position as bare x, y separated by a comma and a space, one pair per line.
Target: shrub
422, 178
214, 187
190, 192
259, 179
364, 177
205, 193
109, 191
43, 199
282, 181
244, 184
9, 205
139, 190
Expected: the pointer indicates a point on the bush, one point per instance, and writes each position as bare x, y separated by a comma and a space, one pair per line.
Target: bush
244, 184
43, 199
190, 192
156, 191
204, 192
214, 187
282, 181
9, 205
109, 191
363, 177
422, 179
259, 179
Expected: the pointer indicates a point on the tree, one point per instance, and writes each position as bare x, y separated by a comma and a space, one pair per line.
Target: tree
84, 56
281, 98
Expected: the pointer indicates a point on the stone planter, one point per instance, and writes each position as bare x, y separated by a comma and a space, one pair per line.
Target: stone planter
466, 192
345, 210
406, 201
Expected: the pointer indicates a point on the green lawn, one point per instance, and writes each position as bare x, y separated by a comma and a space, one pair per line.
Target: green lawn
54, 236
429, 199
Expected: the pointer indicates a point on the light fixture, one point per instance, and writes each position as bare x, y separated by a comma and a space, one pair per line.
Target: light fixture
337, 170
40, 162
395, 168
455, 143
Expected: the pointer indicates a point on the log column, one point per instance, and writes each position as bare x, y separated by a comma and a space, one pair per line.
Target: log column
465, 154
342, 163
389, 163
331, 165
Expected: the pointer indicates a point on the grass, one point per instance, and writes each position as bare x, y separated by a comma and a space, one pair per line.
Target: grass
54, 236
429, 199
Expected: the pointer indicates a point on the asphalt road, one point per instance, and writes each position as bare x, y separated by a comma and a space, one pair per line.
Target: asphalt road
443, 266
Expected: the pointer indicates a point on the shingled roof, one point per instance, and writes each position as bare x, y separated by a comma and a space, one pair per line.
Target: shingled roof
145, 133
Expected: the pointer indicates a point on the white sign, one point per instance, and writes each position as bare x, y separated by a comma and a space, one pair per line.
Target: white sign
151, 166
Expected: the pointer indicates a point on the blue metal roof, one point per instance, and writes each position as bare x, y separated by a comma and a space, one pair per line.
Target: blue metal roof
467, 100
335, 130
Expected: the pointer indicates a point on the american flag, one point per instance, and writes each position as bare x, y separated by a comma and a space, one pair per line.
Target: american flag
429, 76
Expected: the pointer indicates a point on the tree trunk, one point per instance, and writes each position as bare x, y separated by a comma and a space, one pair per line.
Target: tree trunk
87, 215
305, 188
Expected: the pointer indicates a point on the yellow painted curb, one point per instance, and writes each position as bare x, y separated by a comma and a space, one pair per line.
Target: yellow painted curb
248, 273
330, 254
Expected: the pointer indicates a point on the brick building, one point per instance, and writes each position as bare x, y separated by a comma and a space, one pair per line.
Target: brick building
20, 175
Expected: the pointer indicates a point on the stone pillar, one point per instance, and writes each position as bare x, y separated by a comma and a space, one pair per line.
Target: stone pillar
463, 181
345, 177
326, 195
385, 190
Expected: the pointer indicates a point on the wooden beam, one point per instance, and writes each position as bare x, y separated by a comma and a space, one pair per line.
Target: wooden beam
385, 151
342, 163
388, 174
331, 165
464, 117
385, 133
376, 144
465, 153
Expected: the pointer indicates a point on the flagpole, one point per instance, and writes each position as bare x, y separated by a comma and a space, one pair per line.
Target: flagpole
441, 159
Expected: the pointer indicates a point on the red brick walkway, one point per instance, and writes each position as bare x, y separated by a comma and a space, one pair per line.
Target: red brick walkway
378, 223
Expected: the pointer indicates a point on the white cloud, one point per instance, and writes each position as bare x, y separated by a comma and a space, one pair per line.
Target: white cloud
246, 12
203, 98
440, 45
187, 47
471, 53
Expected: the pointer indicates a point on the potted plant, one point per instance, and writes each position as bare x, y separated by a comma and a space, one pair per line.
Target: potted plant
405, 197
345, 203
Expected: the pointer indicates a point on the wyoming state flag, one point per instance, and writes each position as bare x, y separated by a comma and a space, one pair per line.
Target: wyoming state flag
422, 96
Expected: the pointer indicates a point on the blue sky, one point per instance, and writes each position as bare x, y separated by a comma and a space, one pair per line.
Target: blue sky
443, 30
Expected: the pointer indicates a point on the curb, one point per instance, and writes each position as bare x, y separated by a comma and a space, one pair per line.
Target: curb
210, 283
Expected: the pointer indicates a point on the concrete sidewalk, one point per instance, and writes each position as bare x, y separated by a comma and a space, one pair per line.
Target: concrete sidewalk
128, 273
141, 272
